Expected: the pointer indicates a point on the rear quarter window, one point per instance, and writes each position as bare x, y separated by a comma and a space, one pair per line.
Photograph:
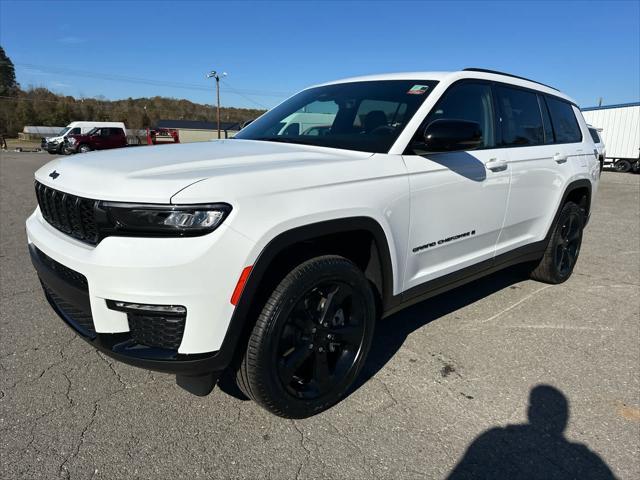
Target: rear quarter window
594, 135
565, 124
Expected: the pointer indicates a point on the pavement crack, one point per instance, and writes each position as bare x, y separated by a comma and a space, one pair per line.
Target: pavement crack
112, 368
62, 469
304, 447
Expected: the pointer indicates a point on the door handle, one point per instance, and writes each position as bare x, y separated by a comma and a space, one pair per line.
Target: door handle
560, 158
496, 165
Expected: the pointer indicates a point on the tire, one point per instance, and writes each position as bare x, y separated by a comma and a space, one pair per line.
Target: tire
311, 339
561, 254
84, 148
622, 166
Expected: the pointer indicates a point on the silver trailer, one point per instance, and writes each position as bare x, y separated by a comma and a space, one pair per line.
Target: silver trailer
619, 127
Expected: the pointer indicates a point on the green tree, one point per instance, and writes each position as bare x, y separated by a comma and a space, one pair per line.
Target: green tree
8, 85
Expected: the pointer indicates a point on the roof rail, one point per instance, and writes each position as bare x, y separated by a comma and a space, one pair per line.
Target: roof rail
484, 70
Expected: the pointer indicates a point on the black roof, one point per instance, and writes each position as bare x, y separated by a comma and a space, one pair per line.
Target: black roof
197, 125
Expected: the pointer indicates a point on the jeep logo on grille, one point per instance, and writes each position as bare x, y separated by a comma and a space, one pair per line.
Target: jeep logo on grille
54, 174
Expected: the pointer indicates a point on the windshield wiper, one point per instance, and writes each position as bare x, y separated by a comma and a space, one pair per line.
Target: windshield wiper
276, 139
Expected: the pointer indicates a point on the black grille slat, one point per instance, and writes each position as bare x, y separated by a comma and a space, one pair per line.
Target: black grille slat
157, 331
68, 213
83, 321
79, 317
71, 276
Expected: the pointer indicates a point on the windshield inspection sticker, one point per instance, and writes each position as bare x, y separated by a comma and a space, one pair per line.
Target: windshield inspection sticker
418, 89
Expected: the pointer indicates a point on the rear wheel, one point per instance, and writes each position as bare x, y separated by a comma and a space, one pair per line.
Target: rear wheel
563, 249
310, 340
622, 166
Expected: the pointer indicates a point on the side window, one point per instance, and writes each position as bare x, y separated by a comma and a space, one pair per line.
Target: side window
105, 132
467, 101
521, 121
75, 131
594, 135
565, 125
546, 120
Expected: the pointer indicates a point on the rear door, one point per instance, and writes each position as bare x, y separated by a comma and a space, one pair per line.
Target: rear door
540, 158
458, 199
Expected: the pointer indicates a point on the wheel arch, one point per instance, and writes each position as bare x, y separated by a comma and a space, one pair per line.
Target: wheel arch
291, 247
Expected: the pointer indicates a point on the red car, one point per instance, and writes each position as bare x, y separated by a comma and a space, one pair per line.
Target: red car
100, 138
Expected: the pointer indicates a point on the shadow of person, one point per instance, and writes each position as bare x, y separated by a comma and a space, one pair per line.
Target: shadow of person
537, 450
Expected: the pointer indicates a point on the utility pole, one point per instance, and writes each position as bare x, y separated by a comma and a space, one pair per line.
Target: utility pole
214, 74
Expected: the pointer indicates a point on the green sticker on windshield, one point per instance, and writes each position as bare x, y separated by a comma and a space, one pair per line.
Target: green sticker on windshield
418, 89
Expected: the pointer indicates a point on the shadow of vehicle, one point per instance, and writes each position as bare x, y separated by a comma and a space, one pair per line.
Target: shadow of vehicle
534, 450
391, 332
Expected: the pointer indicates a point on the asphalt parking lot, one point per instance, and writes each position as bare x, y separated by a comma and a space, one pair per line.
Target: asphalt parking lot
443, 380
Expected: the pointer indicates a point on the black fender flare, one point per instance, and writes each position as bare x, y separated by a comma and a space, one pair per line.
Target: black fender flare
240, 319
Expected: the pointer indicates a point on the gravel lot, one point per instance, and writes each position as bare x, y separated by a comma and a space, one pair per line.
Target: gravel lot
444, 375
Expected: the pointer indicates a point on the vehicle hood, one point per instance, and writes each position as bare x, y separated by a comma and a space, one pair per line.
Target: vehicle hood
54, 139
154, 174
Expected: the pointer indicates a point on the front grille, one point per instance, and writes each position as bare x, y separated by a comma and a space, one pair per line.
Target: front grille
157, 331
80, 320
68, 213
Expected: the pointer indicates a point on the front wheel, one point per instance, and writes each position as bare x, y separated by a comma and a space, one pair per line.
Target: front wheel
84, 148
561, 255
310, 340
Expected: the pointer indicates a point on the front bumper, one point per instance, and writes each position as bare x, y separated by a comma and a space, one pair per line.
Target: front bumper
52, 147
198, 273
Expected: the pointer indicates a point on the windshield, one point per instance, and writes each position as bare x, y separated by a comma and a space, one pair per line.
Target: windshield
93, 131
365, 116
63, 131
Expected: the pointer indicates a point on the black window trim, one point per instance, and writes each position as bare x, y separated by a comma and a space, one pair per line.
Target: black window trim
497, 126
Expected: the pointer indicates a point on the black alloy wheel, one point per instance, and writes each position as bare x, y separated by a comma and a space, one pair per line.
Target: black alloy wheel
321, 339
311, 339
561, 253
568, 243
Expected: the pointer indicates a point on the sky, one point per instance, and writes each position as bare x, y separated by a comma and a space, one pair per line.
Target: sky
270, 50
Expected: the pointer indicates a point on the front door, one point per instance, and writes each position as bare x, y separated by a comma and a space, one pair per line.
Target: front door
458, 199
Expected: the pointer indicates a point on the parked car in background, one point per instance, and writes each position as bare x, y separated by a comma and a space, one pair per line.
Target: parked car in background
101, 138
619, 127
56, 145
164, 135
599, 144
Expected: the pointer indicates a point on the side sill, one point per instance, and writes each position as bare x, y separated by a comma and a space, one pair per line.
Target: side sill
453, 280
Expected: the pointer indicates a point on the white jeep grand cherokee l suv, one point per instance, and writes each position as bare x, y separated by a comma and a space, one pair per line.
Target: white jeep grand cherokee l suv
272, 254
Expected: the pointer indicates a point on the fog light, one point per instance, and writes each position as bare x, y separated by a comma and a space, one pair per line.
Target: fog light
141, 307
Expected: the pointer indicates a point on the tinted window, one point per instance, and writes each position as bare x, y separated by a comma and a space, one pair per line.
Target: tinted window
75, 131
565, 125
521, 120
467, 101
365, 116
594, 135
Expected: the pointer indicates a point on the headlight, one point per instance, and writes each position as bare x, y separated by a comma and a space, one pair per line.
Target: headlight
160, 220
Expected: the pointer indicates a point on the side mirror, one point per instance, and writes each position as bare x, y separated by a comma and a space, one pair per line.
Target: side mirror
448, 135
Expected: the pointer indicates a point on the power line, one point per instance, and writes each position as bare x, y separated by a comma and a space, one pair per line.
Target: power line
145, 81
